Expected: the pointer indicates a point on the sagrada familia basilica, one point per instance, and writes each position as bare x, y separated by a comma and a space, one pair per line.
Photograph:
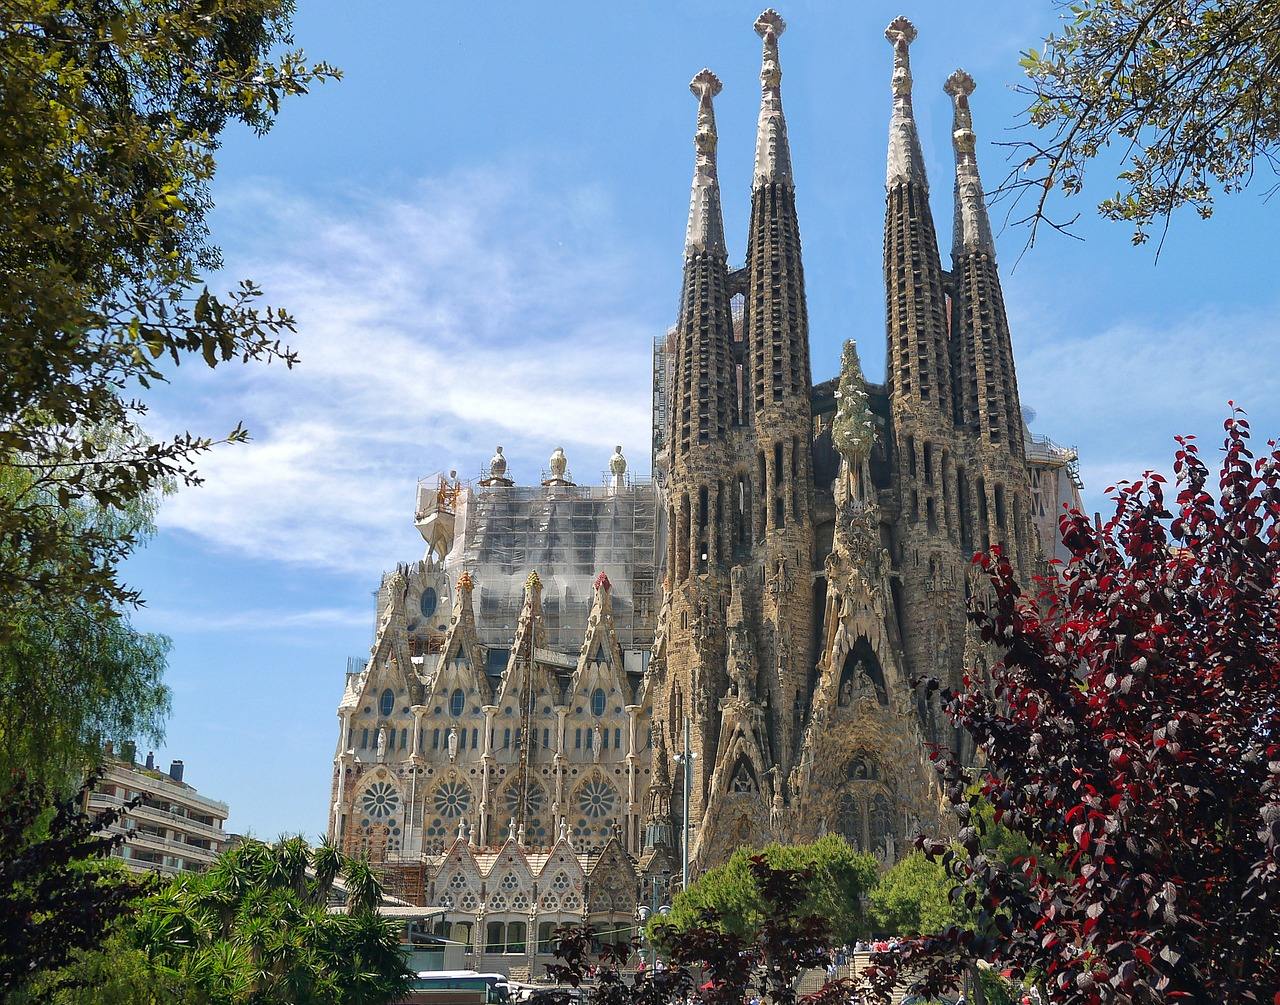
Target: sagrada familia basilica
579, 686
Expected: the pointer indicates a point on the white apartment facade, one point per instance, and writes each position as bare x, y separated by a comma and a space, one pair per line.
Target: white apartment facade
173, 829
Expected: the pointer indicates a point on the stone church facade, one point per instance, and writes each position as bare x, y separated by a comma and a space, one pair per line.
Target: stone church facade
514, 749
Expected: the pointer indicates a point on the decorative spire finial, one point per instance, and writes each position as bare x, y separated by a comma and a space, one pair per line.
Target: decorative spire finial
972, 225
906, 162
465, 583
706, 221
960, 85
773, 152
534, 582
901, 33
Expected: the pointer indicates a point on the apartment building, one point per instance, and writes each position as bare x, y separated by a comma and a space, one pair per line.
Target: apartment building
173, 829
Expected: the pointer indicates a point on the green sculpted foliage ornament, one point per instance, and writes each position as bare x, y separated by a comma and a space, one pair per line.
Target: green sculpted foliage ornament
853, 429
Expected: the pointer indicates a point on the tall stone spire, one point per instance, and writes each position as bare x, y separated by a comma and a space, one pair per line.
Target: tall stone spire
972, 226
906, 163
927, 454
780, 389
773, 153
706, 221
702, 406
986, 384
703, 409
919, 356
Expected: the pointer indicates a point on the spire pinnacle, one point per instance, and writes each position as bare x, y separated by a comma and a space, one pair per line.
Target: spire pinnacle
706, 221
972, 225
773, 152
906, 162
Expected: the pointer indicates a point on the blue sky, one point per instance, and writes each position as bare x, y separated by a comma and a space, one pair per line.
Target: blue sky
480, 231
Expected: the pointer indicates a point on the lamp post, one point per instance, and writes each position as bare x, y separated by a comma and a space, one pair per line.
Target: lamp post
686, 758
645, 913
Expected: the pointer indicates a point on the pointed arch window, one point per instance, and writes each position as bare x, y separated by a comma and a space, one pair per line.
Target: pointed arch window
597, 702
387, 702
457, 702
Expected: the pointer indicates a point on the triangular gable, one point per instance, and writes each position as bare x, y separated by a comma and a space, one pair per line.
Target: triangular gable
530, 636
600, 663
460, 664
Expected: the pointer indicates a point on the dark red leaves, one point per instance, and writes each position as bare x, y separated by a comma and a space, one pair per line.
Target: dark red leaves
1135, 746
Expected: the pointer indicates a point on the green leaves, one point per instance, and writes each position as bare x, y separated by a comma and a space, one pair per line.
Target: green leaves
1191, 89
110, 119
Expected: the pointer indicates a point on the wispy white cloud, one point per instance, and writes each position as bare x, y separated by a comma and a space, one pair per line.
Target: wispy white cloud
167, 620
1120, 392
432, 325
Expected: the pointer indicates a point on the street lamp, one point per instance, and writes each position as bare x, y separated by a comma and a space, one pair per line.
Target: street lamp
685, 759
645, 913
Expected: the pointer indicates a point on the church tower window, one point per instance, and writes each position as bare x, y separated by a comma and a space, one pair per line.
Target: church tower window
457, 702
387, 703
597, 702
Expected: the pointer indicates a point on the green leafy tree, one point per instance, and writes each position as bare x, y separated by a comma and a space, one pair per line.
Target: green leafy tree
76, 674
1185, 92
57, 896
834, 876
912, 898
110, 115
256, 929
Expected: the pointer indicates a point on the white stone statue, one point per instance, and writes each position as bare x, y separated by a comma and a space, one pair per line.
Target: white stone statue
382, 741
497, 465
559, 463
453, 743
617, 463
597, 738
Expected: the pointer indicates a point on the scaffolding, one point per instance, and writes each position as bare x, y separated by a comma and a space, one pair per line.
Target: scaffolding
568, 534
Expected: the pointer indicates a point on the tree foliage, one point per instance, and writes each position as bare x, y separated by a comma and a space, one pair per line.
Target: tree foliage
1132, 737
56, 895
766, 962
76, 675
1184, 91
253, 930
835, 878
913, 898
110, 115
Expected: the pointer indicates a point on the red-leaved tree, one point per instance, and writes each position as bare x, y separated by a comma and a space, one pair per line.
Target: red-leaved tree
1131, 733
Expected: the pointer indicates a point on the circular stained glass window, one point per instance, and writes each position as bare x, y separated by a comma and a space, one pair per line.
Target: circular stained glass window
533, 804
428, 602
380, 800
452, 800
597, 798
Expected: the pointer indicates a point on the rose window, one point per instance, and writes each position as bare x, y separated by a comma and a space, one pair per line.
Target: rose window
452, 800
469, 902
561, 883
597, 798
457, 882
508, 883
533, 801
380, 800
